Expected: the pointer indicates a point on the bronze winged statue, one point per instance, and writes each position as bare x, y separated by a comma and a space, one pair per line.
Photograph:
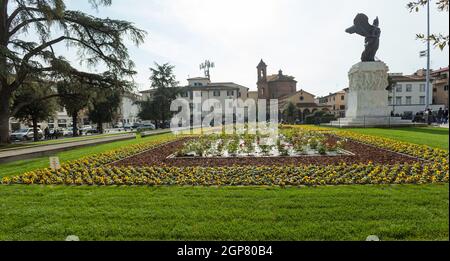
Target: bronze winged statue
372, 34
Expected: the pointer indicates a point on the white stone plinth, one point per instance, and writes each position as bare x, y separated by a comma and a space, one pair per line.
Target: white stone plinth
367, 103
367, 91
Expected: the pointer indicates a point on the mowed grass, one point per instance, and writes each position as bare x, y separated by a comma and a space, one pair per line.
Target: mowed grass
434, 137
21, 166
400, 212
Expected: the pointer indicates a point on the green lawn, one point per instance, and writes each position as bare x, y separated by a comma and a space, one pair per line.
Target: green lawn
434, 137
230, 213
19, 167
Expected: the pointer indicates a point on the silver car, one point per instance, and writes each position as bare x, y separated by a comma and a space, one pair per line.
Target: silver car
26, 134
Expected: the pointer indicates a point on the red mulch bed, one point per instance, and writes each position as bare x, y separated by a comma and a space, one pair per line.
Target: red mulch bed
363, 154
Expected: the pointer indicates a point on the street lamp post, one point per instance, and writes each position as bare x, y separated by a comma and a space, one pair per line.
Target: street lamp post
427, 99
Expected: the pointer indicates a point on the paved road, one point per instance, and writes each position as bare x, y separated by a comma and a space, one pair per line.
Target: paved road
38, 151
51, 149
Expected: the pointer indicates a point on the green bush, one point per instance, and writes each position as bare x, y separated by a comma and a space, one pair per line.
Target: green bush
320, 117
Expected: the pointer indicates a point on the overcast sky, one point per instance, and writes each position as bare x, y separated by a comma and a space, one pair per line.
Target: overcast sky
304, 38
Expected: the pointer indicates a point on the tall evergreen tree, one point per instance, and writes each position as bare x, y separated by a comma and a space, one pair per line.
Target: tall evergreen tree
289, 113
38, 109
74, 97
104, 108
96, 41
165, 85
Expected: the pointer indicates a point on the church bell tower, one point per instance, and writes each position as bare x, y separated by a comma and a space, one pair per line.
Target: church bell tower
263, 86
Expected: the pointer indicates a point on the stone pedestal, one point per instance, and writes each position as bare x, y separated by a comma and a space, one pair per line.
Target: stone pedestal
367, 100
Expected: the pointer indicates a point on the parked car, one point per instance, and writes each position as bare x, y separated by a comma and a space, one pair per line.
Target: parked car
86, 129
146, 127
127, 126
26, 134
67, 131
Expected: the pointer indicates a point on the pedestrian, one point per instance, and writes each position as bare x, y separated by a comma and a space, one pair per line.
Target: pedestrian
46, 133
445, 115
440, 116
429, 116
426, 116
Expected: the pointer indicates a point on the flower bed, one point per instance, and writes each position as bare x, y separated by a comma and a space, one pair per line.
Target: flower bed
289, 143
361, 154
96, 171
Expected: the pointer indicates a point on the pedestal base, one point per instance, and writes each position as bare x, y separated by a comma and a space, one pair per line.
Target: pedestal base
366, 122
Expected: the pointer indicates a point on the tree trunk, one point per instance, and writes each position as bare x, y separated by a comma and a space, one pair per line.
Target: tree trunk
35, 130
75, 124
5, 94
100, 127
4, 115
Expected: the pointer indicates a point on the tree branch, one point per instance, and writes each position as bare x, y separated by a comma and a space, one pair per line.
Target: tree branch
23, 104
25, 23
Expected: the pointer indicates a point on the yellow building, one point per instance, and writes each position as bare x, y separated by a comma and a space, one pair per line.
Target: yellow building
337, 102
304, 102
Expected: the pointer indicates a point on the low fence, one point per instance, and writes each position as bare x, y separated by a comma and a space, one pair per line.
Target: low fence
375, 121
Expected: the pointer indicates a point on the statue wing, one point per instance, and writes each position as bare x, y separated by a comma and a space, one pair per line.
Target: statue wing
376, 22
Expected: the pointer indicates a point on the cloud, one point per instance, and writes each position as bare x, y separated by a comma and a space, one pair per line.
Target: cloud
304, 38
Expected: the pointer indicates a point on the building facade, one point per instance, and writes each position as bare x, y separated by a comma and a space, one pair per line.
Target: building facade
305, 104
337, 102
207, 91
128, 110
440, 86
408, 96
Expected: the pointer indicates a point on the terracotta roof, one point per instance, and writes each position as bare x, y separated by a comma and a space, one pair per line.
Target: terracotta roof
407, 78
344, 91
277, 77
198, 78
440, 70
290, 95
227, 84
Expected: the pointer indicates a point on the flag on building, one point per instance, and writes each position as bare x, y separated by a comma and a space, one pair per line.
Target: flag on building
423, 54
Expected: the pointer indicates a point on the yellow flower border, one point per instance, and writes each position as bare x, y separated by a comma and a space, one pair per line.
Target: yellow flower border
94, 170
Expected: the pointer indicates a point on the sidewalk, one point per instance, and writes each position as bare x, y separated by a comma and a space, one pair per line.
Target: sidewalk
39, 151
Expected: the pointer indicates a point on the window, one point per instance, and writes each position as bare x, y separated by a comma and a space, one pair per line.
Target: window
302, 98
230, 93
390, 100
62, 123
398, 100
184, 94
342, 97
408, 100
422, 100
446, 88
342, 107
216, 93
398, 88
409, 88
422, 87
